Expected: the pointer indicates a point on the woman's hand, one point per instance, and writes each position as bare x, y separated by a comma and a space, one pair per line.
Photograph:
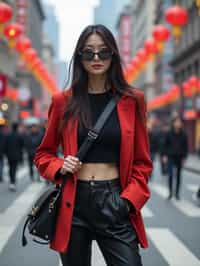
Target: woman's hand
71, 165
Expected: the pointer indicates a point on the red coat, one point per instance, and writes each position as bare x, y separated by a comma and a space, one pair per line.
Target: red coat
135, 163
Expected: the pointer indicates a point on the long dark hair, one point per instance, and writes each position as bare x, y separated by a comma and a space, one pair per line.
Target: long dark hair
77, 106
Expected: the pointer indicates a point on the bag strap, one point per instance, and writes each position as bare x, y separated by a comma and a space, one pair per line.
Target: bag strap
95, 131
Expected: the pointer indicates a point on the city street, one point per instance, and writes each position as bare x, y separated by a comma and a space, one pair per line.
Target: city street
172, 227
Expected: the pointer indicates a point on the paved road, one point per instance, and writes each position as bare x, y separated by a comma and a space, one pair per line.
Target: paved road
172, 227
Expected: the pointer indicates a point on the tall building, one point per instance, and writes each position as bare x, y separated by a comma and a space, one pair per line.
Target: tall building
124, 35
107, 13
143, 22
31, 15
163, 70
51, 27
62, 67
8, 68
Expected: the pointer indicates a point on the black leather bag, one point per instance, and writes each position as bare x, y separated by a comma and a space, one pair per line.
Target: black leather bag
41, 220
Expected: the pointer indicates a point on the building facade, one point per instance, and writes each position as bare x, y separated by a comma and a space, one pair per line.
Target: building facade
107, 13
28, 86
142, 29
124, 35
51, 28
186, 62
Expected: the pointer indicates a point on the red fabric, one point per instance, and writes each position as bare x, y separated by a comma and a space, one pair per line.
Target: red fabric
135, 163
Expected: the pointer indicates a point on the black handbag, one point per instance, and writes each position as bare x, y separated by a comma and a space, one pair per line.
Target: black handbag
41, 220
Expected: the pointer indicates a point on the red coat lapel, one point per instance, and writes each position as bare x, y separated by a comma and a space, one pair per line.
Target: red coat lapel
125, 109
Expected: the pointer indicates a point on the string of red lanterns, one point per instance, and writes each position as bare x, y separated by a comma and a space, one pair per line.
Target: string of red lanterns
190, 87
152, 46
13, 32
177, 17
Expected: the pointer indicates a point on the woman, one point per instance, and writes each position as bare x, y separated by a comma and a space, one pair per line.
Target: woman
103, 199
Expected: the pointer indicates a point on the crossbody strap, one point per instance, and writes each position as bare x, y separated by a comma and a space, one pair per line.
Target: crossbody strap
95, 131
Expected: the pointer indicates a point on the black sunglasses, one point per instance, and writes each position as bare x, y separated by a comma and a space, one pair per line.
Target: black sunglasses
89, 54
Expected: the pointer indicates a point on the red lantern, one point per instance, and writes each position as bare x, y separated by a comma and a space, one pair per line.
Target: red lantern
161, 35
5, 13
187, 89
36, 64
13, 31
29, 55
151, 47
136, 63
177, 16
142, 54
193, 82
22, 44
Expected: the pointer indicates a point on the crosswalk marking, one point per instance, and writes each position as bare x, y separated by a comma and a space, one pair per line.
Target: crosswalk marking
10, 218
171, 248
21, 173
191, 174
184, 206
146, 212
175, 254
192, 187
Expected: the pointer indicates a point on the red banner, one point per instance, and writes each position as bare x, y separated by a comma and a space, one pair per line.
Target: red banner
3, 82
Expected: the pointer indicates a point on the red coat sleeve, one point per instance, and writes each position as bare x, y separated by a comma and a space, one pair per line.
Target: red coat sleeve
46, 159
137, 191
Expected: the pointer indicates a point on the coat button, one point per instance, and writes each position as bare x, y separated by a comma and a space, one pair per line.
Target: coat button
68, 204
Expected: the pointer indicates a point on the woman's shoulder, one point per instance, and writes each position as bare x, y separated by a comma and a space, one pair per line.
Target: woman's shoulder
61, 97
137, 94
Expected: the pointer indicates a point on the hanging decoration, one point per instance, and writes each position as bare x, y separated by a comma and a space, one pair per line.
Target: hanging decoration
161, 34
176, 16
151, 46
22, 44
12, 32
6, 14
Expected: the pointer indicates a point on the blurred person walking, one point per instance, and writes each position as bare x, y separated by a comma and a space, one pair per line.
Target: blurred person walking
161, 138
103, 197
2, 150
13, 148
175, 152
32, 140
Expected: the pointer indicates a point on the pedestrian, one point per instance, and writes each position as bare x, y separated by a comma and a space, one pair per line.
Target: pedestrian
175, 152
32, 140
161, 138
103, 198
13, 149
2, 151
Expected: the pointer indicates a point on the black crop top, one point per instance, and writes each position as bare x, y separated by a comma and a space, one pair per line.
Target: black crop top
106, 148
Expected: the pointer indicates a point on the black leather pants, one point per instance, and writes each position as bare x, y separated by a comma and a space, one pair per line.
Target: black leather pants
100, 214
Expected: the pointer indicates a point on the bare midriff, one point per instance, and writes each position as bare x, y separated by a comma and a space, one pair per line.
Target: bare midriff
98, 171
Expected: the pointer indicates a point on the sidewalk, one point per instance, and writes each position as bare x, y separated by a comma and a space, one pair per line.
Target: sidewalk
192, 164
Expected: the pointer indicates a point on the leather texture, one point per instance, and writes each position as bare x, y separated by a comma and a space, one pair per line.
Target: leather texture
101, 214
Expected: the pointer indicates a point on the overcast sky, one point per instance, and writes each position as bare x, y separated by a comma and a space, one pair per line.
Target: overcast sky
73, 16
